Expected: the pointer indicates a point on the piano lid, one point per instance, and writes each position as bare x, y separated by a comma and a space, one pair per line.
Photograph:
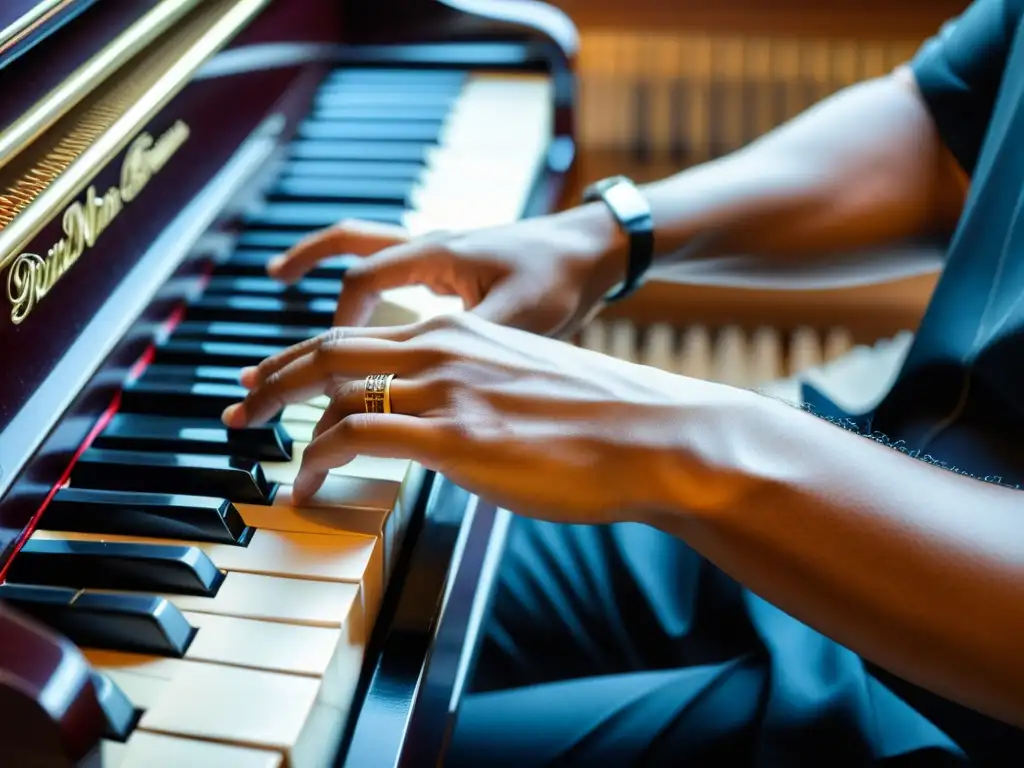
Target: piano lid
50, 80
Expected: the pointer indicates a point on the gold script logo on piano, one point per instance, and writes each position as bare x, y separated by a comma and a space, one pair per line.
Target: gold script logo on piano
32, 276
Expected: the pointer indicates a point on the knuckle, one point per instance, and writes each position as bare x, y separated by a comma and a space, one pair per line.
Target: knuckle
349, 391
356, 425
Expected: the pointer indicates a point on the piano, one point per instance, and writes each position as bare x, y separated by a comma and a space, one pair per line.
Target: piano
162, 601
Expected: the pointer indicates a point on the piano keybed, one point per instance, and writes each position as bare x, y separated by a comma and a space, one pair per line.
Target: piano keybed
768, 359
233, 622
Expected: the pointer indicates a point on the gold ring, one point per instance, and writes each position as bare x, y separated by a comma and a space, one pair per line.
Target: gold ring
377, 393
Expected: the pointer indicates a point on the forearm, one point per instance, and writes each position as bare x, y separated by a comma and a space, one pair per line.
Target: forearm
862, 168
914, 567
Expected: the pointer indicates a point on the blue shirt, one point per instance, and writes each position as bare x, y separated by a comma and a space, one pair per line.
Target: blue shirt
959, 397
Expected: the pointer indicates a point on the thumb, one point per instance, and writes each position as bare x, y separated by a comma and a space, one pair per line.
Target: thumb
356, 238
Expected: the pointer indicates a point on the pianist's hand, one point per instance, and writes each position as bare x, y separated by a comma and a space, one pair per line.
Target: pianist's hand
542, 275
534, 424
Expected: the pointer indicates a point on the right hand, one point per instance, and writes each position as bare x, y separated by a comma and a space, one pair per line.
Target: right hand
545, 275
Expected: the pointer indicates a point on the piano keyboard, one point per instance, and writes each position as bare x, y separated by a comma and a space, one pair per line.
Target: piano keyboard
767, 359
235, 623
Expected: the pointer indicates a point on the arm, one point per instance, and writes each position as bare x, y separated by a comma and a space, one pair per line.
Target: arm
862, 168
916, 568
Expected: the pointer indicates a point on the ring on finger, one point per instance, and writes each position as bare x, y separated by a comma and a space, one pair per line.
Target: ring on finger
377, 392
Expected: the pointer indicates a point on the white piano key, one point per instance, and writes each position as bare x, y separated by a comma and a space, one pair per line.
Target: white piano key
247, 707
272, 598
154, 750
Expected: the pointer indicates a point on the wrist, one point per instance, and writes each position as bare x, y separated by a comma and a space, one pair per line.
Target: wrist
599, 240
713, 462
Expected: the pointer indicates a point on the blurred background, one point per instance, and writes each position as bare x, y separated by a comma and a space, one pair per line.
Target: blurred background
668, 83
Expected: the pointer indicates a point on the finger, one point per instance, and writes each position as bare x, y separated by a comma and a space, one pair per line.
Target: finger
370, 434
421, 262
252, 376
358, 238
409, 397
317, 373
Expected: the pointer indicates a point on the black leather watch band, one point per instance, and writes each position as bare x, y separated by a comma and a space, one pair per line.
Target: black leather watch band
631, 210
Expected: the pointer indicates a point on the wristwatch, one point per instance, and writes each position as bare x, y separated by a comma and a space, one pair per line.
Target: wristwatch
633, 213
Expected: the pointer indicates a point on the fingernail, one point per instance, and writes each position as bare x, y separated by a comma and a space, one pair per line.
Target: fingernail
247, 377
233, 416
276, 263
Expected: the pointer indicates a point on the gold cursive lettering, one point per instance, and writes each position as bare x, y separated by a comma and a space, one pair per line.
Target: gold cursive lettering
31, 277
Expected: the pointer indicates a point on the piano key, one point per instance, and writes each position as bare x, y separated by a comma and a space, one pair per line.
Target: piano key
247, 708
386, 75
345, 556
189, 373
361, 169
139, 432
89, 561
263, 310
309, 216
354, 189
180, 398
371, 97
221, 354
414, 91
432, 113
112, 621
158, 515
156, 750
183, 473
275, 240
253, 263
119, 713
265, 286
423, 131
391, 151
274, 598
244, 333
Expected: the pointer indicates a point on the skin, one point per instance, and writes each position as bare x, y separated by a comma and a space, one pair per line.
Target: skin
789, 505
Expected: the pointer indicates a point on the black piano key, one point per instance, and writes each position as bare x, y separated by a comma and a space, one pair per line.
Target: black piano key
140, 432
180, 398
226, 285
381, 130
252, 263
126, 566
310, 216
219, 353
121, 715
429, 113
393, 151
360, 169
115, 622
385, 75
244, 333
190, 474
190, 373
151, 515
390, 191
327, 98
275, 240
264, 309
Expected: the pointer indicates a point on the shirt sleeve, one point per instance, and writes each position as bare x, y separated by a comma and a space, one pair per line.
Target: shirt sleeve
959, 72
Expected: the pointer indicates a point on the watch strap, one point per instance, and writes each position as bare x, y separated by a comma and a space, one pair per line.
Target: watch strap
633, 214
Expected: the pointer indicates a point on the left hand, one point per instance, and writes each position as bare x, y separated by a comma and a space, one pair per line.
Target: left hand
535, 425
